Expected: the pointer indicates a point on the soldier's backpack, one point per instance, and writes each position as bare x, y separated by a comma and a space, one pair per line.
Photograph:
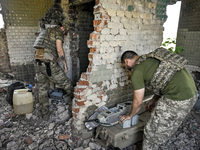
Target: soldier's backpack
11, 88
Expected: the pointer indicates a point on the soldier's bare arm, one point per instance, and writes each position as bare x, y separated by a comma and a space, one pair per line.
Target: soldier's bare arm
138, 96
61, 54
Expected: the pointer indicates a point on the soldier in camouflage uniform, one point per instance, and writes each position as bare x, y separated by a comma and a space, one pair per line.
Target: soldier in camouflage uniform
49, 51
175, 93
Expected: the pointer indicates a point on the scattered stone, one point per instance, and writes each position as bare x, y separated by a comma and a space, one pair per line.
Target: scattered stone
33, 145
63, 137
80, 148
31, 131
29, 140
28, 116
93, 145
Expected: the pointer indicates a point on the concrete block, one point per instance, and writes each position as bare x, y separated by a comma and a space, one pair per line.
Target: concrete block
128, 14
120, 13
114, 31
105, 44
135, 15
123, 31
113, 43
109, 37
111, 12
105, 31
115, 19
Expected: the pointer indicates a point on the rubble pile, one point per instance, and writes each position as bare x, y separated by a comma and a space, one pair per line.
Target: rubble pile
187, 136
31, 132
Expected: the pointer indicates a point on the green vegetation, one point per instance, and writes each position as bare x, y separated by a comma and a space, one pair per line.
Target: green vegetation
170, 44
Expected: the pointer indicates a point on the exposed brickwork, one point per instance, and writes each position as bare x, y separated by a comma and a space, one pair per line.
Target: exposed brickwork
117, 27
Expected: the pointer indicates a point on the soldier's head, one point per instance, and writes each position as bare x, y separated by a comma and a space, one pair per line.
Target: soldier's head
59, 24
128, 59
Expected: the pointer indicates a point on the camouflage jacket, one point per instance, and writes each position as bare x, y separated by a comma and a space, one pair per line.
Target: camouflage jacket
170, 63
47, 39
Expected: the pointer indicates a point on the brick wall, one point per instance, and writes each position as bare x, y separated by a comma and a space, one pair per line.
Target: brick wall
118, 26
188, 35
4, 63
21, 19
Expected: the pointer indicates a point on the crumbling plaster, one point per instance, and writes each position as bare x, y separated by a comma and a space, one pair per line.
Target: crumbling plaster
118, 26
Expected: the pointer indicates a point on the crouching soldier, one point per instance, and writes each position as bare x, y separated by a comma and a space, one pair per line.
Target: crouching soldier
175, 92
49, 49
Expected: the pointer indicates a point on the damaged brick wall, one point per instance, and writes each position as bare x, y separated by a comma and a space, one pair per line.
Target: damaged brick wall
21, 23
5, 62
188, 35
118, 26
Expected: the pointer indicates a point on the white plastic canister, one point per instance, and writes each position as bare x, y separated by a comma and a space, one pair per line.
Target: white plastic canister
22, 101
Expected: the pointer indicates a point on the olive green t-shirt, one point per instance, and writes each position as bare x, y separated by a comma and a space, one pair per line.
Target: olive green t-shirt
181, 86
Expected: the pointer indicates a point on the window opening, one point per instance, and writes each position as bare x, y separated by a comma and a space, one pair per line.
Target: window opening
171, 26
1, 18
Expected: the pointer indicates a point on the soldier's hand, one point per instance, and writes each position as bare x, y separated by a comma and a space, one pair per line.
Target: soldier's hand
150, 105
66, 69
125, 117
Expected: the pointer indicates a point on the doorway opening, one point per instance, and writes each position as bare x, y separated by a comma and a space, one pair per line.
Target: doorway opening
84, 26
171, 26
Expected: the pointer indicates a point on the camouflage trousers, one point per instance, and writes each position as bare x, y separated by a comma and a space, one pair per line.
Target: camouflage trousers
165, 120
57, 77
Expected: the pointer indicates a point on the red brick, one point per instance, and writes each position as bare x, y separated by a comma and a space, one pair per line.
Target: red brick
101, 92
79, 90
98, 29
90, 63
94, 36
89, 69
74, 115
90, 56
79, 97
81, 82
80, 103
63, 137
100, 97
29, 140
105, 16
89, 43
92, 50
96, 10
105, 23
96, 2
96, 22
84, 76
76, 110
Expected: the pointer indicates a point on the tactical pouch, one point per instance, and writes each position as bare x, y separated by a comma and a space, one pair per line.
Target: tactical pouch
39, 54
48, 68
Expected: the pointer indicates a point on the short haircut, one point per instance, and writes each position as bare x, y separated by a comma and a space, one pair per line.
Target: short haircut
128, 55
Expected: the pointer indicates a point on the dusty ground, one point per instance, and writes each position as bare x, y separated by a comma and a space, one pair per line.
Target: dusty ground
31, 132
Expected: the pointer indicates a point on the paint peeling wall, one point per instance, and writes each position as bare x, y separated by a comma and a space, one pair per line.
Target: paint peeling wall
119, 25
